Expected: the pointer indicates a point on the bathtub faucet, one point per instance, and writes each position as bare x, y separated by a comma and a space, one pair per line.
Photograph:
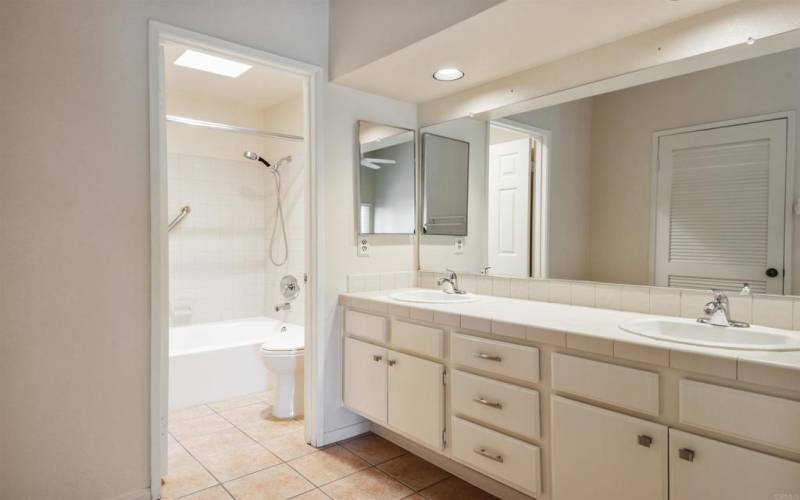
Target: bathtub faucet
286, 306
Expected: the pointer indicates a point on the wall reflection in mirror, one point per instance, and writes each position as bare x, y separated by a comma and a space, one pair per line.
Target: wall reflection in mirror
386, 179
686, 182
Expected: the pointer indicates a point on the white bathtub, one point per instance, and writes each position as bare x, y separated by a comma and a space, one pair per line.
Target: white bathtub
215, 361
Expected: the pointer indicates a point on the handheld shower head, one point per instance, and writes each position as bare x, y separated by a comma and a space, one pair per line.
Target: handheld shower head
254, 156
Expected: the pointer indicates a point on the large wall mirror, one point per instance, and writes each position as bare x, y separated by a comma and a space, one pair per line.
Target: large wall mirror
386, 179
686, 182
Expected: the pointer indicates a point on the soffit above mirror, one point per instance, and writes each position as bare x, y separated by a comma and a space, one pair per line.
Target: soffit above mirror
490, 45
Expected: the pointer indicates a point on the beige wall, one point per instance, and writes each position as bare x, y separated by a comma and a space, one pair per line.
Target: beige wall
343, 108
623, 124
570, 126
74, 229
362, 31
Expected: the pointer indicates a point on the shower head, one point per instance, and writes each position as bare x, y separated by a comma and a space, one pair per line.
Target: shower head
254, 156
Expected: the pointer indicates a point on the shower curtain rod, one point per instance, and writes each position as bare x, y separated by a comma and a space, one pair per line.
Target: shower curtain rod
232, 128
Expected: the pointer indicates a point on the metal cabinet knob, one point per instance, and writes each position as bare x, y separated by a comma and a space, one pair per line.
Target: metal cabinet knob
491, 456
486, 402
488, 357
772, 272
377, 358
686, 454
645, 440
392, 362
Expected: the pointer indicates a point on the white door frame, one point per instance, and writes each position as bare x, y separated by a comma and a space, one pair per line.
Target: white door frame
540, 249
313, 82
789, 116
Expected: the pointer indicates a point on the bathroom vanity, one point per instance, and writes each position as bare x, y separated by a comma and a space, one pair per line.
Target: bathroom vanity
556, 401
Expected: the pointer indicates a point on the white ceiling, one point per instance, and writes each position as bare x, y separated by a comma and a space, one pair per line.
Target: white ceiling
513, 36
260, 86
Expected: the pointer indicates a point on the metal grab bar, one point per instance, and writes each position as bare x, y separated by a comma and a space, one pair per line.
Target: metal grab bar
178, 218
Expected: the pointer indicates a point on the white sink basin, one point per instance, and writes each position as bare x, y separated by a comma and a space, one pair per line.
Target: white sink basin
687, 331
434, 297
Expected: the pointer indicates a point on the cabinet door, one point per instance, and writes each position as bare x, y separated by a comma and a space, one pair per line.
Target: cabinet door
365, 379
416, 398
604, 455
711, 470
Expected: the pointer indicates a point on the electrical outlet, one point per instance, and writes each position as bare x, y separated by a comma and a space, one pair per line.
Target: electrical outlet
459, 246
363, 247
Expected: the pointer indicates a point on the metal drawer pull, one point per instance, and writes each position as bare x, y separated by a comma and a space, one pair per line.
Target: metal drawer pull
496, 457
488, 357
645, 440
377, 358
392, 362
486, 402
686, 454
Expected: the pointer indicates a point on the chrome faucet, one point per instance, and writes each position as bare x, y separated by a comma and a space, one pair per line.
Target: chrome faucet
719, 312
452, 279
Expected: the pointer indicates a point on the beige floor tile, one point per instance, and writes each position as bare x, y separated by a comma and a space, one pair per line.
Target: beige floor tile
238, 402
455, 489
268, 429
229, 454
413, 471
370, 484
373, 448
266, 396
185, 476
290, 446
248, 414
184, 429
313, 495
215, 493
328, 465
190, 412
276, 483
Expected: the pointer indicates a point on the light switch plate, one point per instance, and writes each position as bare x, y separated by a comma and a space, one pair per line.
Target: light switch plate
363, 246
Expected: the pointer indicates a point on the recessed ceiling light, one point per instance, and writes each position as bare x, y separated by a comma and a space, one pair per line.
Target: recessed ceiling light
448, 74
212, 64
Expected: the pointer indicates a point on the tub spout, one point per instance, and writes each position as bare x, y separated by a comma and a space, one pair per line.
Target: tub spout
286, 306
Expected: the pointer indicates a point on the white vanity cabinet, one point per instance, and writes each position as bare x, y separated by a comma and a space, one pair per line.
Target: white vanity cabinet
365, 379
401, 391
604, 455
416, 398
702, 468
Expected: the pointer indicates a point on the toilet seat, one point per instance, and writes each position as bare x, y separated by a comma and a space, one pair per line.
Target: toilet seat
287, 343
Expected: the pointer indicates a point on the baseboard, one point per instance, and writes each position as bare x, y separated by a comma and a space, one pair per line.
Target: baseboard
143, 494
345, 432
471, 476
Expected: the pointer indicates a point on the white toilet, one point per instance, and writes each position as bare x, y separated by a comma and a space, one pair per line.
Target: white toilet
283, 357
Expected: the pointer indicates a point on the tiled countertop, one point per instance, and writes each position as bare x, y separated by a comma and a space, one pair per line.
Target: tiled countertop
590, 330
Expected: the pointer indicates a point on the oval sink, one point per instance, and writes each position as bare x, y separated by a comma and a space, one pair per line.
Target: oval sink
687, 331
434, 297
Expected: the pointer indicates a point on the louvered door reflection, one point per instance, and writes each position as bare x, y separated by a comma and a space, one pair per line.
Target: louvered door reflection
720, 207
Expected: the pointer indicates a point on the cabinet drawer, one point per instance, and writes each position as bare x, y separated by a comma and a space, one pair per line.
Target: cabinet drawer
501, 457
704, 469
367, 326
510, 360
507, 406
765, 419
418, 338
620, 386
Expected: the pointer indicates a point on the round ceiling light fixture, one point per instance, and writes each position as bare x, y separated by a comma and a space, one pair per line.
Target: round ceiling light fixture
448, 74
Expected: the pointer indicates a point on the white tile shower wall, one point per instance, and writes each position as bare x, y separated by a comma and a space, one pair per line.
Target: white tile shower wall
770, 310
217, 269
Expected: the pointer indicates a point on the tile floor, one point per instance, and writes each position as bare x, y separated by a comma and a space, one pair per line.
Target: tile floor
234, 449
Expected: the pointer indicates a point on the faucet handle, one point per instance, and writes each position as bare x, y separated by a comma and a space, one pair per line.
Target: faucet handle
718, 293
452, 273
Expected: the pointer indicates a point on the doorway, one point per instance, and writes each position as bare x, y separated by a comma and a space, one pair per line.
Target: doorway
233, 250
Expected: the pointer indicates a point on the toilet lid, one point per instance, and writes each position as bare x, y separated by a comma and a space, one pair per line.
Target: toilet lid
291, 340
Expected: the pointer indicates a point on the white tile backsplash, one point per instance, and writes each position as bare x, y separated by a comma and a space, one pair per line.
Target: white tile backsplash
665, 301
561, 292
773, 310
583, 294
635, 298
